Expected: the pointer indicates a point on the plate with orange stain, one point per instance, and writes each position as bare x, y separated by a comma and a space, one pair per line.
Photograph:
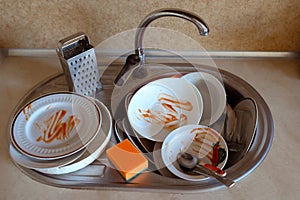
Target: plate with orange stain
163, 105
198, 140
55, 125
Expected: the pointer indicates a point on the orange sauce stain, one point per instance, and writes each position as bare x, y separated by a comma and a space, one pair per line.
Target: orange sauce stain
176, 76
170, 101
203, 142
56, 128
170, 119
26, 111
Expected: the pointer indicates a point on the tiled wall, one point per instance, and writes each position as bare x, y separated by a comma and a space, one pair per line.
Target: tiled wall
234, 24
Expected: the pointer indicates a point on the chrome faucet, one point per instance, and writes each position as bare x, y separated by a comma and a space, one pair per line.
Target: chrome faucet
139, 56
199, 23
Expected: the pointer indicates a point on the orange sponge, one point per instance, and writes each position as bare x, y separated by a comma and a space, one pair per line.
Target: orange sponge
127, 159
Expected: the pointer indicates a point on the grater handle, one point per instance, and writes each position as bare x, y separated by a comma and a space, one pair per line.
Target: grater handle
73, 45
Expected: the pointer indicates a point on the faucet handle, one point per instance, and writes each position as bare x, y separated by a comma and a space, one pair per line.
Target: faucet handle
131, 61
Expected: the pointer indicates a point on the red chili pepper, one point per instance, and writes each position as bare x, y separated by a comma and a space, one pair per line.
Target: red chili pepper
215, 157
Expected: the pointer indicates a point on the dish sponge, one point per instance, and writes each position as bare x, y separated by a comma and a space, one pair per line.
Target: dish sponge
127, 159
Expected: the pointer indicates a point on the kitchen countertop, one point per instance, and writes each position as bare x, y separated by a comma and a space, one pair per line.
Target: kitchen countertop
277, 80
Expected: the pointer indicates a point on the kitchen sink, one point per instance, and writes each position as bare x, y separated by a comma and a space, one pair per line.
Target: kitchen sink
99, 175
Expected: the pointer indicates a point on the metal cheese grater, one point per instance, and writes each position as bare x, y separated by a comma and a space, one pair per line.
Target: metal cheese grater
78, 60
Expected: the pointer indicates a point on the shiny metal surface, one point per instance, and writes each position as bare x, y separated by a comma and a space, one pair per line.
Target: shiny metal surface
136, 61
78, 60
94, 177
196, 20
189, 163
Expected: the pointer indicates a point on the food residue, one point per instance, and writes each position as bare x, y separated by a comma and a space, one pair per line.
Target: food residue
26, 111
56, 128
206, 143
169, 117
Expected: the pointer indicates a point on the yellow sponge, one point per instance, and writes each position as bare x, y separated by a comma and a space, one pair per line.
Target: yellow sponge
127, 159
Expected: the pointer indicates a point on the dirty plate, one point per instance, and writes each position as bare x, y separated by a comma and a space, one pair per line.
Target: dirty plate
92, 151
163, 105
55, 126
201, 141
213, 94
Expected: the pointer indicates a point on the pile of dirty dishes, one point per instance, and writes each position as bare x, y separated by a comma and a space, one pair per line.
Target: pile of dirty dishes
176, 113
60, 133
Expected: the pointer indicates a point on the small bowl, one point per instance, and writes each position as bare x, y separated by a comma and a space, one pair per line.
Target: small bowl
197, 140
163, 105
213, 94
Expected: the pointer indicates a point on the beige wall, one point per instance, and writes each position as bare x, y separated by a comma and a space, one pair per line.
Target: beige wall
234, 24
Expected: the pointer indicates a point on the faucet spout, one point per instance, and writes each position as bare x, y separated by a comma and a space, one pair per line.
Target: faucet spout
135, 61
196, 20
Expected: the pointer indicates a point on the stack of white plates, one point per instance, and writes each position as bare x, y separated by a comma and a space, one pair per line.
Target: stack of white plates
60, 133
167, 111
163, 105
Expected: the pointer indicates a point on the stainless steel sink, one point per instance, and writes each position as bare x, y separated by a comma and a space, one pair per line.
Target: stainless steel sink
99, 176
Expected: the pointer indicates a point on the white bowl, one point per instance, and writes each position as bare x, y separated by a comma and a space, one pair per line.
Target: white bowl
163, 105
197, 140
213, 94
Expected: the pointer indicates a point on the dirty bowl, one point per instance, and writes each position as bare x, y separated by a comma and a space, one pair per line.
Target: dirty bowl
200, 141
163, 105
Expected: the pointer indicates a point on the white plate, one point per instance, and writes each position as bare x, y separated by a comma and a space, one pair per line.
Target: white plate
163, 105
33, 163
93, 150
33, 129
247, 116
160, 165
213, 94
183, 140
